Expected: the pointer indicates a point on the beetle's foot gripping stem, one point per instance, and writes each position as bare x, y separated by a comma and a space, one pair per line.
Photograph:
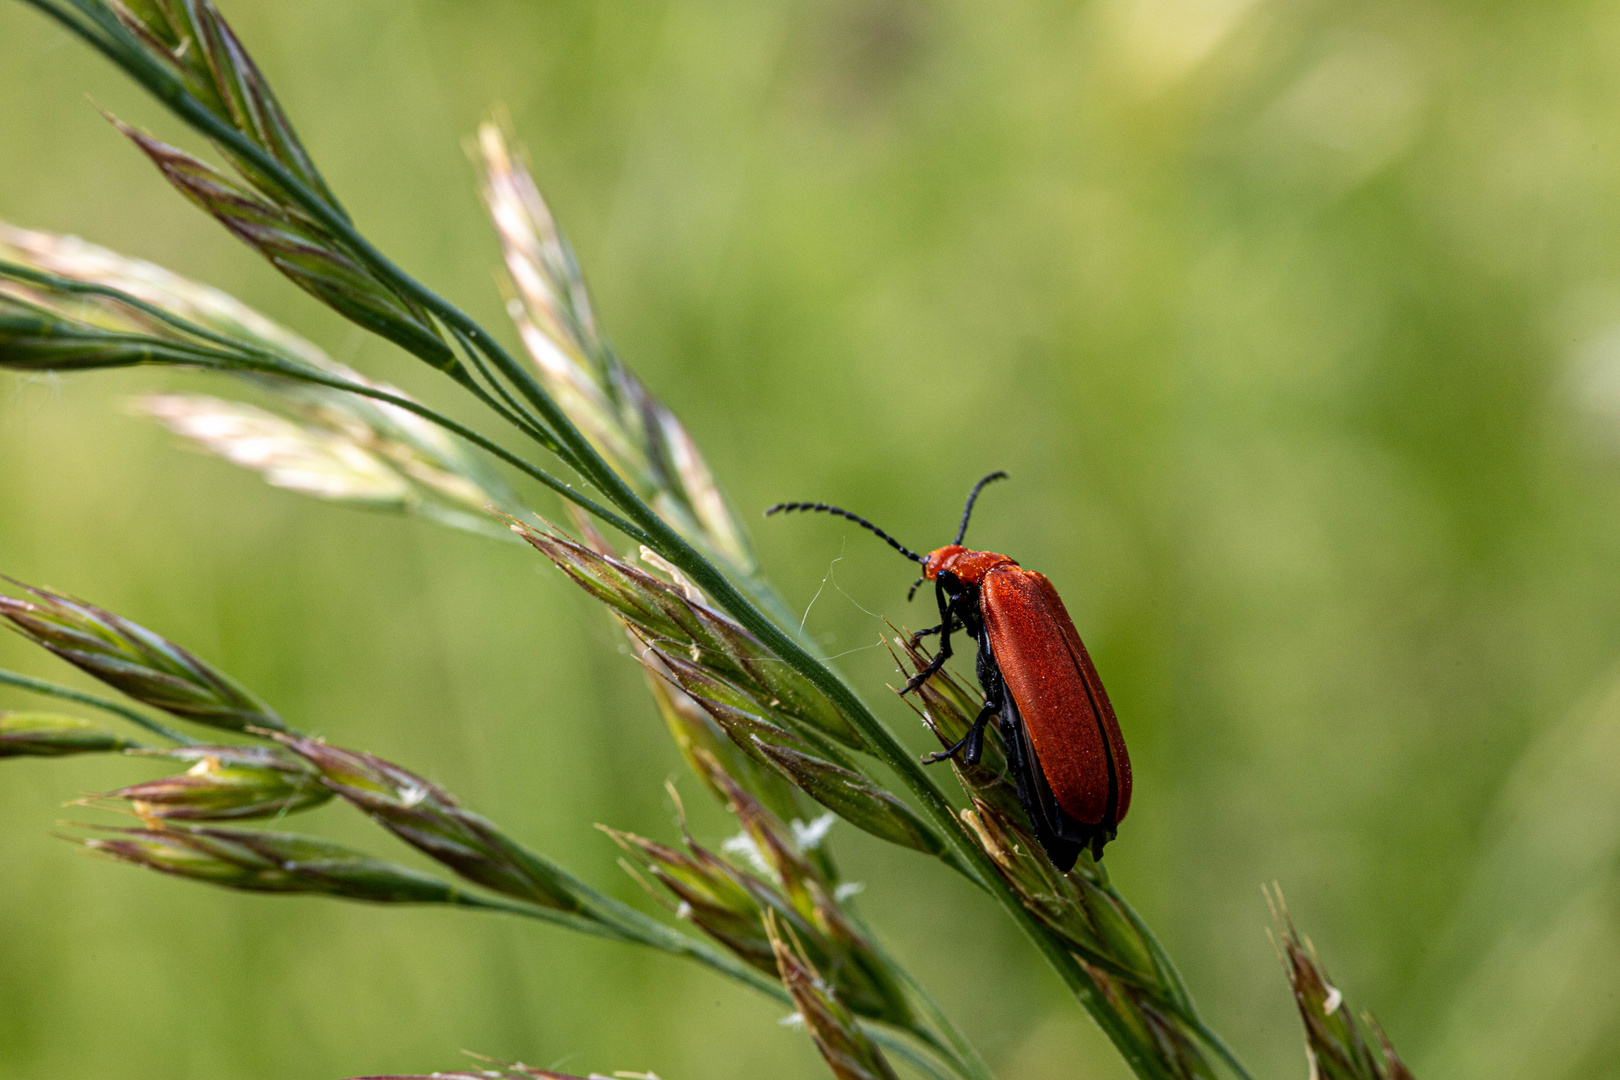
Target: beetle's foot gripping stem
970, 746
944, 629
924, 675
930, 632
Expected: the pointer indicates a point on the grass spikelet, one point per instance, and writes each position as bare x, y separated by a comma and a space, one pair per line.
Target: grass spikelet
731, 903
195, 43
849, 1053
298, 457
430, 819
333, 447
313, 259
667, 618
704, 744
273, 862
41, 734
145, 666
226, 783
1337, 1045
643, 440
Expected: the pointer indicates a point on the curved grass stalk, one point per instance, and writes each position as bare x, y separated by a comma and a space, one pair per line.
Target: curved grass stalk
115, 42
229, 354
50, 689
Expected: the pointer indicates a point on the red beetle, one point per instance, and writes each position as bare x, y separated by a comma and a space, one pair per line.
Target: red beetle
1064, 749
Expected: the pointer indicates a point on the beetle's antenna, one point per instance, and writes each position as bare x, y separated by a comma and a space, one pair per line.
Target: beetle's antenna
973, 496
915, 585
823, 508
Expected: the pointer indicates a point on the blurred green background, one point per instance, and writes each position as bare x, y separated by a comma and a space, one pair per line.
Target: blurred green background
1296, 322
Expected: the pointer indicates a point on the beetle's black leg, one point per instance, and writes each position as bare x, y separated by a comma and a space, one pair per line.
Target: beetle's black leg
975, 736
934, 665
971, 745
952, 620
947, 621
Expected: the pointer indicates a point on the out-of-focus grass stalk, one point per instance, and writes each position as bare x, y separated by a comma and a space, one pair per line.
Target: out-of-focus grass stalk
324, 442
417, 448
295, 456
504, 1070
637, 434
203, 305
47, 339
37, 734
99, 24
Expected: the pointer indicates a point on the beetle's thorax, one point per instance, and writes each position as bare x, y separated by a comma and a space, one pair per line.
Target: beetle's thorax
969, 567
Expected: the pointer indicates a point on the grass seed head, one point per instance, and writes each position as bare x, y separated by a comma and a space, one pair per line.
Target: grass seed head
431, 820
143, 665
39, 734
703, 744
840, 789
849, 1053
297, 457
227, 783
312, 259
674, 623
1337, 1045
731, 904
271, 862
194, 43
854, 798
638, 435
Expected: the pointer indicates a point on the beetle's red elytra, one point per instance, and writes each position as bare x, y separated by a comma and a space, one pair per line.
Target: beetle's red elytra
1064, 748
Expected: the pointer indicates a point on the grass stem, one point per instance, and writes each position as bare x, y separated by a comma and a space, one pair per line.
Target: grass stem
114, 41
50, 689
